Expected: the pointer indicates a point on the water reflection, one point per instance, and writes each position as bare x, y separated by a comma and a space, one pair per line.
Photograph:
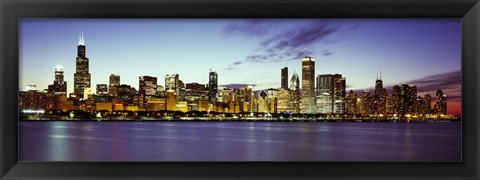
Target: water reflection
239, 141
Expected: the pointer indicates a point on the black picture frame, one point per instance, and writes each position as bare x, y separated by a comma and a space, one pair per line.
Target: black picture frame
12, 10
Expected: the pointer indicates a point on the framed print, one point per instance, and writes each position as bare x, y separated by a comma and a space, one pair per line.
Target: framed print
239, 89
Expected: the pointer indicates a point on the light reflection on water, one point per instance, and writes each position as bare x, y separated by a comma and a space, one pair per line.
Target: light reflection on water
239, 141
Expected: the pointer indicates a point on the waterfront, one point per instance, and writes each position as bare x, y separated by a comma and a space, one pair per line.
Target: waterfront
239, 141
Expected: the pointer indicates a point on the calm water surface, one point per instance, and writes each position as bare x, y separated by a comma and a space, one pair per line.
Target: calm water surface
239, 141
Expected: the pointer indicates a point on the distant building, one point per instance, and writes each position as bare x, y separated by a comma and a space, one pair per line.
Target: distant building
441, 105
308, 85
124, 94
59, 86
331, 92
195, 86
408, 96
30, 87
81, 76
172, 81
114, 82
147, 87
365, 103
427, 104
379, 98
351, 103
212, 87
294, 103
102, 89
283, 101
284, 78
171, 101
156, 104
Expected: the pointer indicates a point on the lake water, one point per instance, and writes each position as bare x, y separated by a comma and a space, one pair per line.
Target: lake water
238, 141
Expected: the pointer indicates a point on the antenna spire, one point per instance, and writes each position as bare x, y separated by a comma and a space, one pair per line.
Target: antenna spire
380, 74
81, 41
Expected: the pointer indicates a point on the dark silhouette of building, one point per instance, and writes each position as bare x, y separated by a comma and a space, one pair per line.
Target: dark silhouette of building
379, 98
82, 78
212, 87
441, 105
284, 78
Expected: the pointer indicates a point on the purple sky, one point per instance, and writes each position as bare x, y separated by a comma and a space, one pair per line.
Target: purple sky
426, 52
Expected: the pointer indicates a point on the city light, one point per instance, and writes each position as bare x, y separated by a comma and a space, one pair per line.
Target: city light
321, 97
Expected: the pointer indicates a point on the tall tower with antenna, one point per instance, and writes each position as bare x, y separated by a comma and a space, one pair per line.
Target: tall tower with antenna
82, 78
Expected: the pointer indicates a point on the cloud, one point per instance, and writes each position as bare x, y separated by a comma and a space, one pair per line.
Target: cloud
449, 83
326, 52
237, 85
250, 28
237, 63
283, 41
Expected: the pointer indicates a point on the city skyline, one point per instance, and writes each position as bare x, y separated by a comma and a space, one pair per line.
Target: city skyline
432, 74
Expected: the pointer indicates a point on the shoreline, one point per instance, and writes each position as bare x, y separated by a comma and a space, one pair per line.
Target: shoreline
247, 120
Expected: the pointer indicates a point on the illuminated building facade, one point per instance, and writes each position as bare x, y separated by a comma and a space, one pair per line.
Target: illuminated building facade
172, 81
125, 94
171, 100
339, 93
294, 103
427, 104
102, 89
406, 99
114, 82
212, 87
308, 85
351, 103
82, 78
283, 100
147, 87
441, 104
331, 92
365, 103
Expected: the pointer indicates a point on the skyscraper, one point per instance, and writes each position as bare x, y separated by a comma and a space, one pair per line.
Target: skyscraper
125, 94
81, 76
441, 104
351, 101
147, 87
339, 90
324, 94
308, 85
212, 87
427, 106
172, 81
331, 93
113, 84
294, 103
284, 78
379, 98
407, 101
59, 86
